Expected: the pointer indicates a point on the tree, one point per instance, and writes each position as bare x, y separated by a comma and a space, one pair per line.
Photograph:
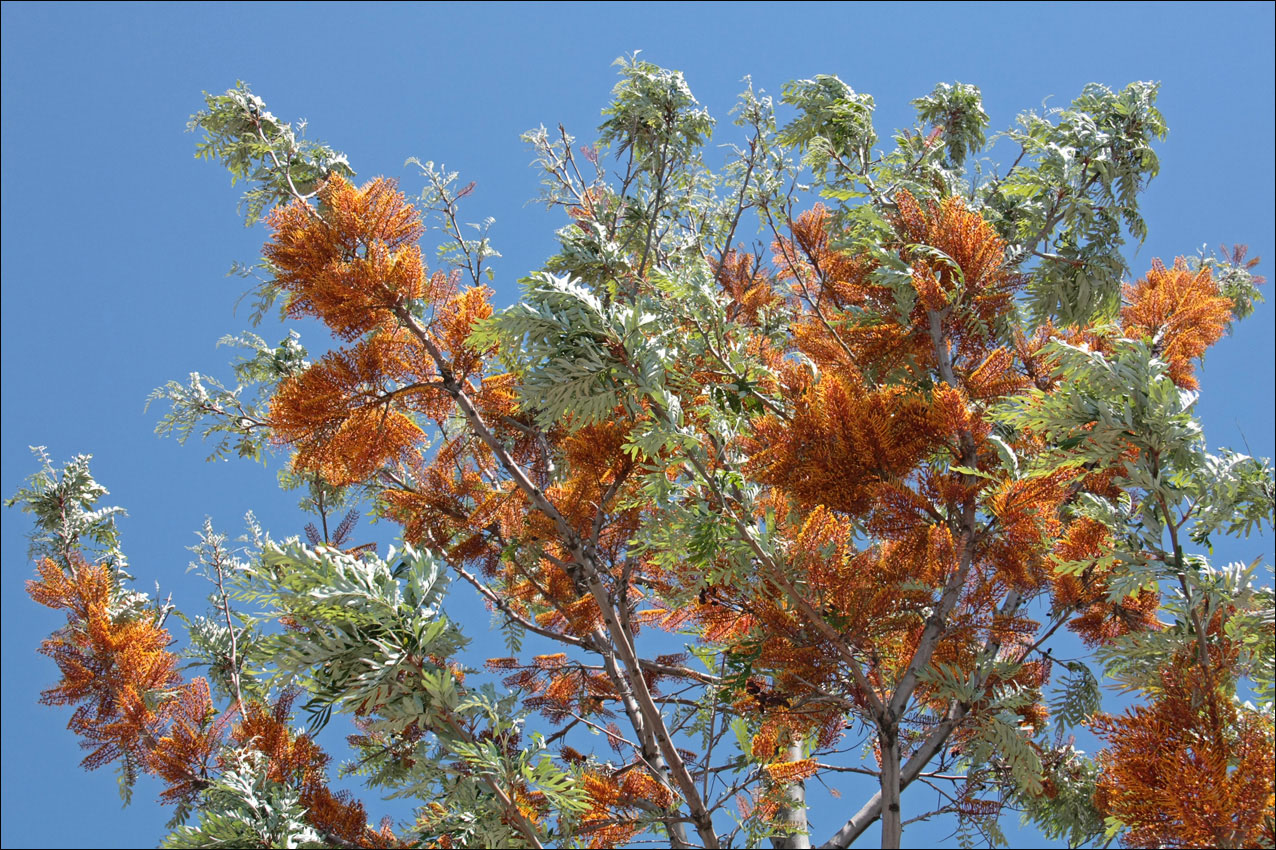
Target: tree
854, 436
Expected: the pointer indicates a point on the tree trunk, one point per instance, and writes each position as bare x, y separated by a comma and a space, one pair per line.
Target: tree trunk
892, 829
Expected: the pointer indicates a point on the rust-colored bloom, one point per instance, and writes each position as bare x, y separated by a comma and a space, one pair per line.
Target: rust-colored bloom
352, 262
1182, 309
116, 670
1191, 769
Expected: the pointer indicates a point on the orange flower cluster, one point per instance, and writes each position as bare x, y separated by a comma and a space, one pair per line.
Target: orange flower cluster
117, 671
1193, 768
615, 800
456, 507
748, 289
184, 756
297, 761
843, 318
593, 460
1181, 308
355, 265
858, 589
1099, 620
821, 275
782, 772
346, 415
974, 272
856, 454
557, 689
1027, 515
354, 261
842, 440
132, 704
846, 434
452, 505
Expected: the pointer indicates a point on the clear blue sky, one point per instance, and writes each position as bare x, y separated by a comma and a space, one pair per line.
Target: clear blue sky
116, 241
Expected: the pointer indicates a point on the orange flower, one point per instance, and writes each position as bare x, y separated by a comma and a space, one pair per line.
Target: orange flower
297, 761
748, 288
354, 261
1192, 769
348, 414
118, 672
976, 270
843, 438
791, 771
183, 757
1183, 308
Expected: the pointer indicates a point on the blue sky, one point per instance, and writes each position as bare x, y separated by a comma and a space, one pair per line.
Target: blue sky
116, 241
